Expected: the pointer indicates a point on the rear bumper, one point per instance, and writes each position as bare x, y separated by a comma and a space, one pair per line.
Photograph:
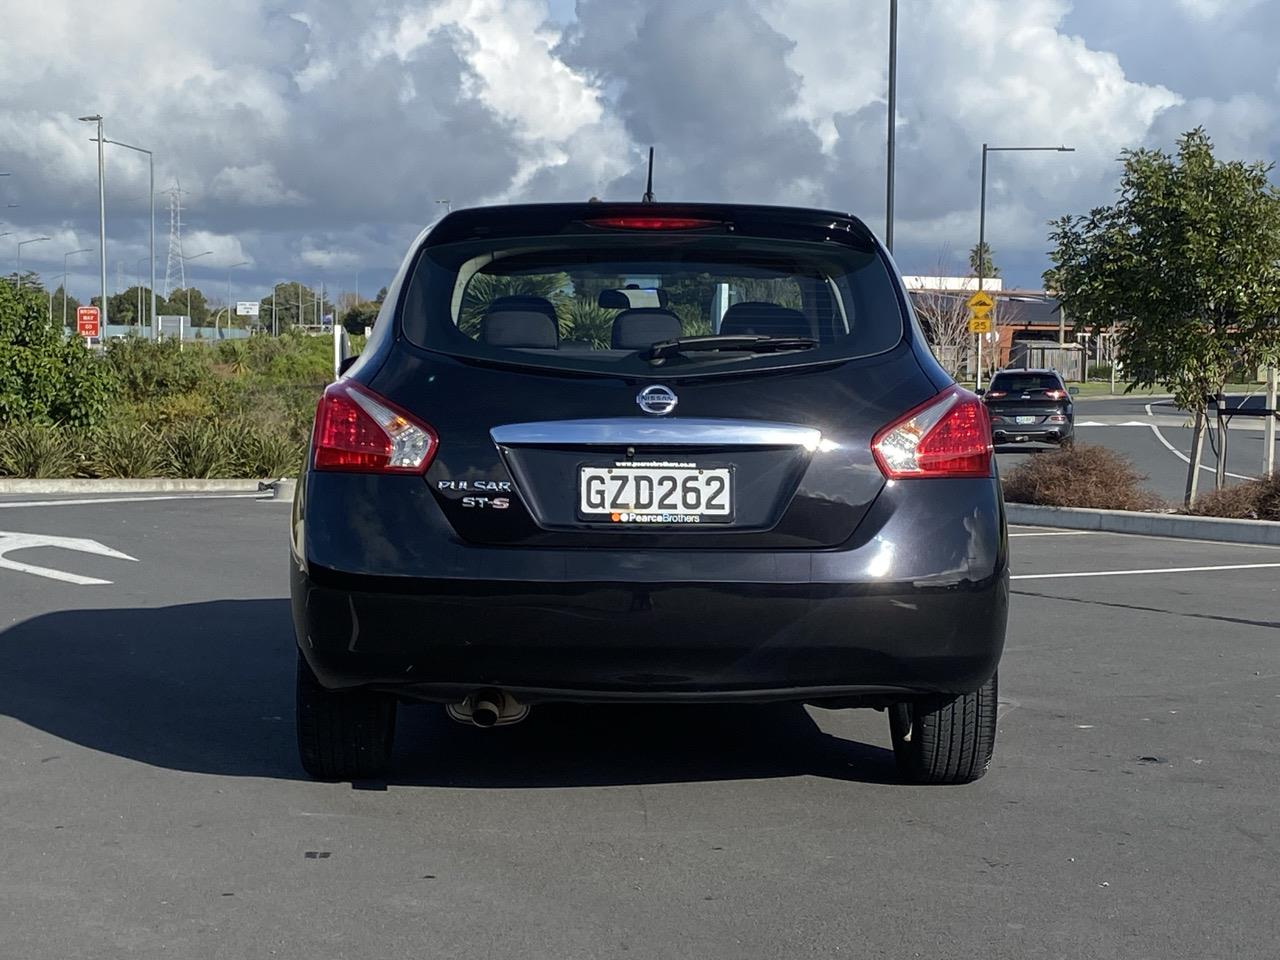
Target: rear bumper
916, 604
1012, 433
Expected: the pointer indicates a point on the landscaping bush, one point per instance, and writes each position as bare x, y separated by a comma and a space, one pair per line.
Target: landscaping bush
265, 452
1083, 475
197, 448
1099, 371
1251, 500
148, 370
39, 451
126, 450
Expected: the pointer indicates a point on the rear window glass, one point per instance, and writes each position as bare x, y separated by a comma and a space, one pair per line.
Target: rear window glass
602, 302
1025, 382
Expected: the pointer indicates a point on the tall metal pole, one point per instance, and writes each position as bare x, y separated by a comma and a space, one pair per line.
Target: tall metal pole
155, 323
102, 218
982, 260
1269, 430
891, 149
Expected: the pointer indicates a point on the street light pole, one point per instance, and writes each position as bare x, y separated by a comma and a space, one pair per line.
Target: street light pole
982, 223
242, 263
151, 164
102, 217
21, 244
186, 260
891, 148
70, 253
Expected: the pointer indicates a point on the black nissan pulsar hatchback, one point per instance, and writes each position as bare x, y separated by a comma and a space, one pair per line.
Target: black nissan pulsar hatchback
648, 453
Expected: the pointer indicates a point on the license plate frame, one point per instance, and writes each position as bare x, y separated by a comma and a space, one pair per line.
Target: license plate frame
627, 514
1025, 421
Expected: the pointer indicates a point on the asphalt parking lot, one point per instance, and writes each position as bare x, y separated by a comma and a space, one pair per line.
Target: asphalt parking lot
151, 803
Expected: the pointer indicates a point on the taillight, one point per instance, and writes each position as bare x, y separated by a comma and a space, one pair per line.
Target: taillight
996, 394
946, 436
652, 223
358, 431
1056, 394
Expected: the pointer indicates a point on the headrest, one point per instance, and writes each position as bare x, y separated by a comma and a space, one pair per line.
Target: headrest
632, 296
756, 318
643, 327
520, 321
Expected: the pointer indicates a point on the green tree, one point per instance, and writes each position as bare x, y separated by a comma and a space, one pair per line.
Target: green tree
71, 304
287, 315
45, 377
989, 268
359, 316
1184, 267
176, 305
382, 295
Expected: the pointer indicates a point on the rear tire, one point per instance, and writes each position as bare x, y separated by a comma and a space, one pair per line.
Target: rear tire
342, 735
947, 740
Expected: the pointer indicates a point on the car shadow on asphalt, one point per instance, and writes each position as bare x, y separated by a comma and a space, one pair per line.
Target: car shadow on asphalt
208, 688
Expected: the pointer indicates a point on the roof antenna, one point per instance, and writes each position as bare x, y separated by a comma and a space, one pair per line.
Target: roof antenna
648, 190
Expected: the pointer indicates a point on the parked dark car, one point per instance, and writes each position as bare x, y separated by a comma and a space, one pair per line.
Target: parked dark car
648, 453
1030, 405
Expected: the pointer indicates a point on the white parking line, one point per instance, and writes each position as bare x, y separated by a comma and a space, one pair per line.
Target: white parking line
1183, 457
266, 494
1060, 533
1136, 573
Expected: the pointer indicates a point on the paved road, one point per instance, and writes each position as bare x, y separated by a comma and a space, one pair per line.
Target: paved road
1158, 442
151, 804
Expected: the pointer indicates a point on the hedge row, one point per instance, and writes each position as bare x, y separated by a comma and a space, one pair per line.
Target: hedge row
187, 448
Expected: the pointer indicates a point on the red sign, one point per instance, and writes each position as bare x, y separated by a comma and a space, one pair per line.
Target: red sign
87, 321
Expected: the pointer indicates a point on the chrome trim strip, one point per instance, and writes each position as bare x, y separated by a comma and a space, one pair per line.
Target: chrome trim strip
671, 431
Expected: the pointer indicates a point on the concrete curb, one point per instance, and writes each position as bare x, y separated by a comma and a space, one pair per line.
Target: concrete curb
1264, 532
281, 489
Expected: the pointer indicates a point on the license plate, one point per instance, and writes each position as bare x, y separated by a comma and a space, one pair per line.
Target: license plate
660, 492
1026, 419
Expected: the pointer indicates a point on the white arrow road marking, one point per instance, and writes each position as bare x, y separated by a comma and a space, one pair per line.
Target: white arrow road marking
21, 541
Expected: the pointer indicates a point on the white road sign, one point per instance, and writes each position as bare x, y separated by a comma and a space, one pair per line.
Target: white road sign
247, 308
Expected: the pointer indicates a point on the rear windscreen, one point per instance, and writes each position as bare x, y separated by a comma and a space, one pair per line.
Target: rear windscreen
601, 302
1025, 382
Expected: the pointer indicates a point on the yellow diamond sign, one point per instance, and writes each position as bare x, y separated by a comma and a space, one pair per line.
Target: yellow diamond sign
981, 301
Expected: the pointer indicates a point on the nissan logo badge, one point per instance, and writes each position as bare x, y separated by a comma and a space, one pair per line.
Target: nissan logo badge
657, 400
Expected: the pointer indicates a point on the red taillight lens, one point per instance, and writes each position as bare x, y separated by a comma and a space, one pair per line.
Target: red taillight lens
947, 436
358, 431
996, 394
1056, 394
651, 223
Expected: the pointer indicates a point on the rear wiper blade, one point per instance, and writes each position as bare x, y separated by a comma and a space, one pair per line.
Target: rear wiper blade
747, 344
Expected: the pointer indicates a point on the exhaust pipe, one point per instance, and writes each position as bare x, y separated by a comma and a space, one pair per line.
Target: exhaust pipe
488, 708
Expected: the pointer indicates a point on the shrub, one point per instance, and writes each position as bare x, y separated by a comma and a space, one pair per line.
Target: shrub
265, 452
1099, 371
197, 448
148, 370
44, 377
1251, 500
39, 451
1083, 475
126, 450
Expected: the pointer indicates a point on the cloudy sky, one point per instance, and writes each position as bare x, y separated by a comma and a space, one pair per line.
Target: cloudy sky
313, 138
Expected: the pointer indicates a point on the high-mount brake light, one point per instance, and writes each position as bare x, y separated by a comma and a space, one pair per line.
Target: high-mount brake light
651, 223
946, 436
360, 432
